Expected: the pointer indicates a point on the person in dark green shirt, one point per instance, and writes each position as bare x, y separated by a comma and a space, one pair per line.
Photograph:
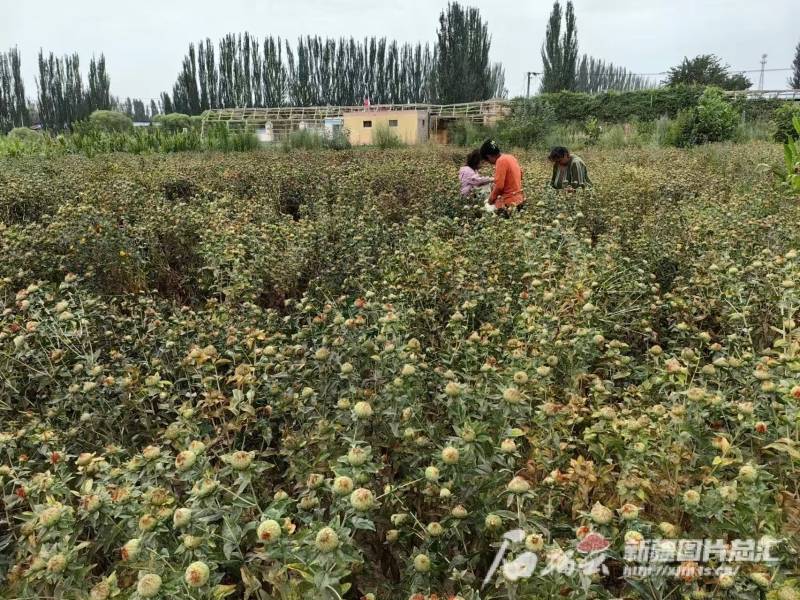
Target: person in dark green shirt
569, 171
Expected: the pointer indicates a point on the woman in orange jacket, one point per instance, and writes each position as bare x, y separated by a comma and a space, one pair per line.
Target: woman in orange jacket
507, 192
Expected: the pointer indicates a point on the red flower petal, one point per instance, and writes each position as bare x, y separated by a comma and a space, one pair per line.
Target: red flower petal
593, 542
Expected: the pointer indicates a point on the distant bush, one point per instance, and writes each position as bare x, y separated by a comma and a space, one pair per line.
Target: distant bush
338, 141
645, 130
529, 123
23, 134
615, 136
309, 139
110, 120
680, 132
661, 131
782, 122
716, 119
219, 137
304, 139
593, 130
173, 121
570, 135
467, 133
754, 130
384, 138
713, 120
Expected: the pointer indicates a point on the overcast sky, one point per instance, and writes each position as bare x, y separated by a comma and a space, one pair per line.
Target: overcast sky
144, 41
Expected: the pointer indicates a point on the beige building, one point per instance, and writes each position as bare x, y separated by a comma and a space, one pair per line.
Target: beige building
411, 126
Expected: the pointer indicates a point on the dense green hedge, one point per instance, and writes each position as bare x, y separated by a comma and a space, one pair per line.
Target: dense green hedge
644, 105
174, 121
763, 108
618, 107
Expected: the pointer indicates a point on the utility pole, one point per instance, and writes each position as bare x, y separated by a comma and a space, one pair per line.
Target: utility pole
761, 77
530, 74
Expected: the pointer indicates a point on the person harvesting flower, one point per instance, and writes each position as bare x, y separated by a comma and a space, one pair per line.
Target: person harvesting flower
507, 191
569, 171
472, 183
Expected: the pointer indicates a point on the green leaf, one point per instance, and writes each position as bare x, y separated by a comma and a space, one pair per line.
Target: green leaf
361, 523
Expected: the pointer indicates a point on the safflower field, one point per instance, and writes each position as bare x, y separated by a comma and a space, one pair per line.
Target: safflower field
263, 375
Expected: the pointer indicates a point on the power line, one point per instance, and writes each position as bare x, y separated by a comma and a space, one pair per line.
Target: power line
765, 70
731, 70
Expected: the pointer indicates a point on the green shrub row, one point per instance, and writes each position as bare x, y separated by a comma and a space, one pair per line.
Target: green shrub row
619, 107
88, 139
645, 105
680, 116
308, 139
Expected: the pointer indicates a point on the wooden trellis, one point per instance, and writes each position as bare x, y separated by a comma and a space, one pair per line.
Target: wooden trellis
285, 119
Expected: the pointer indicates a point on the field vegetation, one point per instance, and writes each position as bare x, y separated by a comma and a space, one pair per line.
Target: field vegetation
327, 376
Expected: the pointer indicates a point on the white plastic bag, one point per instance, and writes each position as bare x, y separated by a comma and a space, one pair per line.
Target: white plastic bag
485, 193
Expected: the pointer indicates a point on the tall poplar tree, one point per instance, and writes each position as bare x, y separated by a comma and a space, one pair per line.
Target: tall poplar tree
463, 70
560, 50
13, 104
166, 103
62, 98
316, 71
794, 79
99, 85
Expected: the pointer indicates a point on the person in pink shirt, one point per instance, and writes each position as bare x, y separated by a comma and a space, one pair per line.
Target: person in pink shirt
469, 177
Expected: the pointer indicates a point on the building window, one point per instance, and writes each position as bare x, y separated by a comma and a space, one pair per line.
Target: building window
423, 122
367, 124
392, 122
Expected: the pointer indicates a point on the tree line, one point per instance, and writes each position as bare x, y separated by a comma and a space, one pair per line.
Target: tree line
13, 104
595, 76
242, 71
136, 108
563, 69
62, 96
